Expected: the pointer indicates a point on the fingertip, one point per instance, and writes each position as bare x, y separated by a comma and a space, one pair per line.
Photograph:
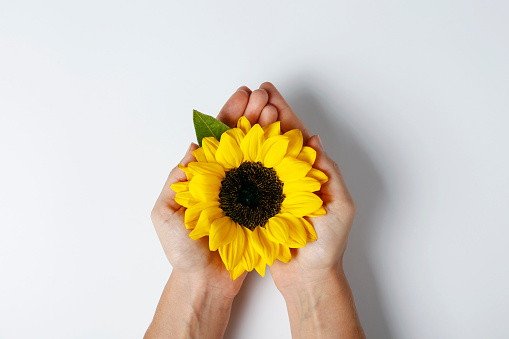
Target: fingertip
234, 107
323, 162
315, 142
268, 116
264, 91
245, 89
257, 101
320, 144
289, 120
267, 84
189, 157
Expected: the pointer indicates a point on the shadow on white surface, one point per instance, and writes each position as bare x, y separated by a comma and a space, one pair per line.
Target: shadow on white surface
323, 116
240, 306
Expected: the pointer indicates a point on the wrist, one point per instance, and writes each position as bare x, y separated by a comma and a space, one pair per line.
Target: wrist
323, 307
190, 308
198, 285
311, 283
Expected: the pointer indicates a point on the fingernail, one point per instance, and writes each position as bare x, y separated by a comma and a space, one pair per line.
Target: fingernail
320, 143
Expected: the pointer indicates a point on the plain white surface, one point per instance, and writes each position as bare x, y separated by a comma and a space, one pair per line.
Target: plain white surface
411, 98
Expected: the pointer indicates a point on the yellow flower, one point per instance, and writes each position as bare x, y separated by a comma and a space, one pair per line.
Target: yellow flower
250, 194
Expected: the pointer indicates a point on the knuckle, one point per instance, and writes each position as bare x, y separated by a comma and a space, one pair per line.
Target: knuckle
174, 171
327, 163
159, 214
334, 165
350, 206
154, 215
345, 207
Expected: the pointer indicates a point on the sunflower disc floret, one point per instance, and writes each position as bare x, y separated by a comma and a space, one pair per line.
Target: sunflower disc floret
251, 194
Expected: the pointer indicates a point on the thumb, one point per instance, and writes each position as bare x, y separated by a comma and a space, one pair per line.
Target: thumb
167, 196
176, 173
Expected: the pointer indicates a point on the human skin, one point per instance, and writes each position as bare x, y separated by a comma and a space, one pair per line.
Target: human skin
197, 299
317, 294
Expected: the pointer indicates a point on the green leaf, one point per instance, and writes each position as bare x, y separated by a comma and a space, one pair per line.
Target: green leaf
207, 126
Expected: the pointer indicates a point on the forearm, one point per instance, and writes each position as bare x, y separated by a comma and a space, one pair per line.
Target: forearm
188, 308
324, 308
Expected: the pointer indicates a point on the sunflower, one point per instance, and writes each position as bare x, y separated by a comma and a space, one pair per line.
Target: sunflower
250, 193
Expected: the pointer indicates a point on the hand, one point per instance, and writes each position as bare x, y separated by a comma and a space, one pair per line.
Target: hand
199, 283
188, 257
317, 294
317, 259
319, 300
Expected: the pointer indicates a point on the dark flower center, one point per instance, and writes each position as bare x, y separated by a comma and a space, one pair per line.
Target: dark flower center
251, 194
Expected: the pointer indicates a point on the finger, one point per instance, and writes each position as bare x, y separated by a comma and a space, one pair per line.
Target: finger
245, 88
234, 107
334, 190
167, 197
289, 120
268, 116
257, 101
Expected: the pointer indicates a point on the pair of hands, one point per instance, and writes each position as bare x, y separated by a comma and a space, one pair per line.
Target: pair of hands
309, 264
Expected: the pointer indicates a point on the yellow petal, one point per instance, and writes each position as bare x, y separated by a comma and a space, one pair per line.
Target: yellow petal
302, 185
180, 186
260, 267
250, 257
296, 141
277, 229
205, 187
251, 146
210, 145
318, 175
308, 155
274, 150
228, 153
199, 154
207, 168
310, 230
185, 199
187, 171
207, 217
265, 247
319, 212
244, 124
193, 213
232, 253
237, 134
272, 129
301, 203
284, 253
297, 233
237, 272
222, 232
291, 169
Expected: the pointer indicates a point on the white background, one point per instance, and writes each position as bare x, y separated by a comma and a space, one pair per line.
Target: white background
410, 97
